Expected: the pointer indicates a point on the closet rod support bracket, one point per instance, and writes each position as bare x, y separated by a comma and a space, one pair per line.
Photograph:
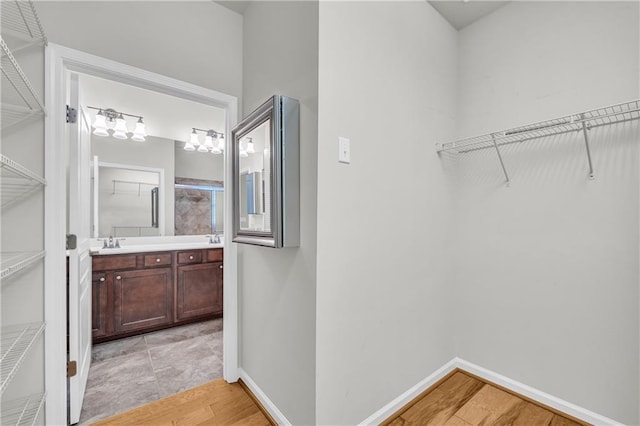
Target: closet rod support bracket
504, 170
585, 127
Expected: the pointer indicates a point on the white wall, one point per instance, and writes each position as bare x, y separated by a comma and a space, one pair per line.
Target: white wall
546, 271
111, 150
278, 286
387, 82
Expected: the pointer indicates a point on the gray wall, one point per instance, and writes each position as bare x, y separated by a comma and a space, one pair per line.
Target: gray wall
194, 41
546, 271
277, 287
198, 165
387, 82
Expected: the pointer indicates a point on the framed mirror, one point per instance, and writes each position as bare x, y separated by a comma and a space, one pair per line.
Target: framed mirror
266, 188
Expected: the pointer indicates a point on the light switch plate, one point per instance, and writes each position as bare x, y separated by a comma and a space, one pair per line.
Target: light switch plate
344, 150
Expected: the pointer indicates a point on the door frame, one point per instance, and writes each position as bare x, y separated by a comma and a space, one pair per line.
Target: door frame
60, 60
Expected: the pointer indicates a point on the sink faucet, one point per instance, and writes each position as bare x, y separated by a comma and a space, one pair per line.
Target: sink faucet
110, 243
214, 239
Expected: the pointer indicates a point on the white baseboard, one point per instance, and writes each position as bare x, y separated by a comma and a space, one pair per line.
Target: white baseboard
490, 376
535, 394
395, 405
264, 400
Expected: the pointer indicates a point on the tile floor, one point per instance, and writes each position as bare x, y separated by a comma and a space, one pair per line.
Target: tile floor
130, 372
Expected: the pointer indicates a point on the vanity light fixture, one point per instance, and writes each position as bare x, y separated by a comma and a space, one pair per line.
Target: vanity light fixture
213, 141
109, 122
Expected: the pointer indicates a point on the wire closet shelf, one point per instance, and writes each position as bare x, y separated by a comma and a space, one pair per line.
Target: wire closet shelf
580, 122
16, 343
24, 411
22, 29
17, 182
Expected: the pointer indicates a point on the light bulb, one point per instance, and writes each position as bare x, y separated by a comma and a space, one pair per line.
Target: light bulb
120, 131
139, 133
194, 138
193, 141
208, 140
100, 125
250, 147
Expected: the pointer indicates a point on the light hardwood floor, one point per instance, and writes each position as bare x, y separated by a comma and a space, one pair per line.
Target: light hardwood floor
463, 400
458, 400
214, 403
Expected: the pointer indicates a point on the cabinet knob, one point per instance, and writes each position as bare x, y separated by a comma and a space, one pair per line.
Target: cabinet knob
101, 279
118, 277
220, 266
158, 260
190, 257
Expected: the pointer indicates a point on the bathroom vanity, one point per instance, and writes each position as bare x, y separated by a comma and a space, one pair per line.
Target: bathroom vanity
137, 292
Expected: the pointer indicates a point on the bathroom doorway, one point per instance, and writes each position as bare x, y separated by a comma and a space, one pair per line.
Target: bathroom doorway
63, 62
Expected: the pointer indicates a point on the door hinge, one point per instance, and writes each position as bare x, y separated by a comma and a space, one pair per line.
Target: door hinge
72, 115
72, 368
72, 242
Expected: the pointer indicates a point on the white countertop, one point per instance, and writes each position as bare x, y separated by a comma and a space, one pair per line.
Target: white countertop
150, 244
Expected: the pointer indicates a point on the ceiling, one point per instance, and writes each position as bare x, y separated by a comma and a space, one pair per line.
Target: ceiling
462, 13
165, 116
238, 6
459, 13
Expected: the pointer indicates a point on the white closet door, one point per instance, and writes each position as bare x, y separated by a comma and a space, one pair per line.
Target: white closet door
79, 259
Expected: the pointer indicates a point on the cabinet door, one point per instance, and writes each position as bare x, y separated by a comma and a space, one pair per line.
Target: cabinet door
99, 306
199, 290
142, 299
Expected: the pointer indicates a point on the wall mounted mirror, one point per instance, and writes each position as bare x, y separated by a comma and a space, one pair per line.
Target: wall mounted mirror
266, 194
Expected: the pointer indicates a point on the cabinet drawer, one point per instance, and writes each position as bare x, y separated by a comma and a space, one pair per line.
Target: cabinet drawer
214, 255
114, 261
189, 257
160, 259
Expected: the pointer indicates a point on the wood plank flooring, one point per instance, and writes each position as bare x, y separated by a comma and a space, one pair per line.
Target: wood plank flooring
214, 403
463, 400
458, 400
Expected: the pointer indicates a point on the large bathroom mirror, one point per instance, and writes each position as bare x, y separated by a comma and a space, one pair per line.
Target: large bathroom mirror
188, 170
266, 175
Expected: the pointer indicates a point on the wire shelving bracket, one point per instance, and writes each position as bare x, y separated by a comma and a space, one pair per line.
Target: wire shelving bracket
581, 122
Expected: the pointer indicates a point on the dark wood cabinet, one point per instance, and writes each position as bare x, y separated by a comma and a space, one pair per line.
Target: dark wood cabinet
99, 307
141, 299
141, 292
199, 290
